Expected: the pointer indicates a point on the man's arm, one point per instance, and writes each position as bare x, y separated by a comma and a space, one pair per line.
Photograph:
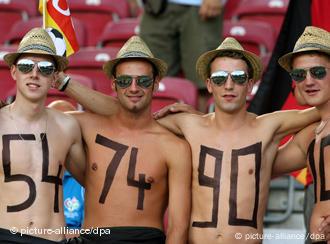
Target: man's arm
90, 99
293, 155
291, 121
76, 159
179, 180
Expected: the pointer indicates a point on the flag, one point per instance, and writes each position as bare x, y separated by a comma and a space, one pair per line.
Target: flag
56, 15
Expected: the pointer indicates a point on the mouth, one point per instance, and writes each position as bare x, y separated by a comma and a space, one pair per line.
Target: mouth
134, 98
311, 92
33, 85
229, 96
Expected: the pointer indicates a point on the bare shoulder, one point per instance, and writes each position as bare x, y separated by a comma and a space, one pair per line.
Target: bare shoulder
64, 120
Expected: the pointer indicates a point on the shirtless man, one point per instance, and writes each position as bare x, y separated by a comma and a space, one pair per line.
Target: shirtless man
232, 150
309, 66
135, 168
32, 156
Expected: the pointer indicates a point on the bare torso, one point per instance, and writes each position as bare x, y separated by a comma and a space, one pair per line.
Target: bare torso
31, 175
319, 163
231, 175
126, 178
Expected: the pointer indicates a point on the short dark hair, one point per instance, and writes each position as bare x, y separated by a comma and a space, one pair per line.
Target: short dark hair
234, 55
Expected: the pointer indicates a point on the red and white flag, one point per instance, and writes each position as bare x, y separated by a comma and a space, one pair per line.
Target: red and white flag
57, 19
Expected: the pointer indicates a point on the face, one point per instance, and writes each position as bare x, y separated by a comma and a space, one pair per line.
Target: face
314, 90
230, 96
137, 95
33, 83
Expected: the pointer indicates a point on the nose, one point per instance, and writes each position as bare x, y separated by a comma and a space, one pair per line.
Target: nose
309, 79
229, 84
133, 87
34, 71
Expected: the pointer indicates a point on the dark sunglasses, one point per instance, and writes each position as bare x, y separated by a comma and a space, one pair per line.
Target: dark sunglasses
317, 72
25, 66
220, 77
142, 81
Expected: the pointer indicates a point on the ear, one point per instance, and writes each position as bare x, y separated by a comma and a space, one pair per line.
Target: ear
250, 85
13, 71
113, 84
209, 85
156, 84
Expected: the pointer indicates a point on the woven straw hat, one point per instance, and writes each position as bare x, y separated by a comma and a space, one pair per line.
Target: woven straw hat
37, 41
229, 44
135, 47
312, 39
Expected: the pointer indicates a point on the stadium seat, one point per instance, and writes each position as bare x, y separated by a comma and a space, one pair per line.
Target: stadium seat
271, 11
96, 13
255, 36
15, 10
89, 61
20, 28
115, 34
6, 81
174, 89
230, 7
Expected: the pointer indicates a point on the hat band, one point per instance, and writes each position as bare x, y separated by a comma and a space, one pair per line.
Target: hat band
37, 47
314, 45
135, 54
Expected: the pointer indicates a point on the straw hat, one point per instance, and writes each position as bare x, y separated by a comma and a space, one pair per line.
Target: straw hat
312, 39
37, 41
135, 47
229, 44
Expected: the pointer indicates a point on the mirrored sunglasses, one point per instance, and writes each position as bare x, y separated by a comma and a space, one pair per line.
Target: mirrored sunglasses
25, 66
317, 72
220, 77
142, 81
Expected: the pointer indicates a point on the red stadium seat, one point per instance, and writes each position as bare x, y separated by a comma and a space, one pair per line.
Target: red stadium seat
230, 7
255, 36
271, 11
20, 28
115, 34
174, 89
96, 13
6, 81
15, 10
89, 62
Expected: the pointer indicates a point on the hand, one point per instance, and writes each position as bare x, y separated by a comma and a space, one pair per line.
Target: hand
59, 76
325, 228
210, 9
175, 108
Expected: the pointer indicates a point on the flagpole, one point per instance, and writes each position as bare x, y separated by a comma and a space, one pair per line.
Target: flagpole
44, 14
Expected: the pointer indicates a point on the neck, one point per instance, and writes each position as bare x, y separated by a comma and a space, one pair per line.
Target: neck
28, 110
230, 121
324, 111
135, 120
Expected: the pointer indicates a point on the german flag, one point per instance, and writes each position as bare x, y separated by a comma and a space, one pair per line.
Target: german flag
56, 15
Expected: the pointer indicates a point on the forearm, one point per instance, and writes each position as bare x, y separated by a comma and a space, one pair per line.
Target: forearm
177, 235
90, 99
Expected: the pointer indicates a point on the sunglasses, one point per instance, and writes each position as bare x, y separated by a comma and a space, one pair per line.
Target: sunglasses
25, 66
317, 72
142, 81
220, 77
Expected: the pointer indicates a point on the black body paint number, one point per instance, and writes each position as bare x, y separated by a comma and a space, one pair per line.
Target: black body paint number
21, 177
214, 183
233, 220
50, 178
121, 149
113, 165
325, 194
18, 177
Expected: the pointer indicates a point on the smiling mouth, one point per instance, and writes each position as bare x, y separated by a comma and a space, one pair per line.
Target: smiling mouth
33, 85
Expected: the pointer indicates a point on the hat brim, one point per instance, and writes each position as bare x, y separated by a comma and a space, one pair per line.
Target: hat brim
203, 62
160, 65
286, 60
61, 62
